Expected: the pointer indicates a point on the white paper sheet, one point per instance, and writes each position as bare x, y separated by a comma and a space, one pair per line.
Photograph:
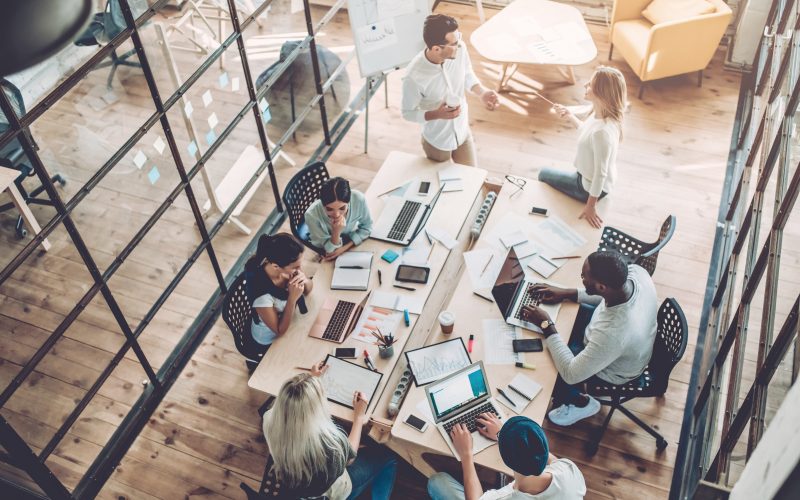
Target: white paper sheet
497, 343
377, 36
478, 260
508, 224
342, 379
441, 236
556, 237
437, 361
514, 238
394, 8
424, 410
397, 302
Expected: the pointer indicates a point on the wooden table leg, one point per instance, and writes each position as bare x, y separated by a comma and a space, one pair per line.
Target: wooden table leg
27, 215
568, 73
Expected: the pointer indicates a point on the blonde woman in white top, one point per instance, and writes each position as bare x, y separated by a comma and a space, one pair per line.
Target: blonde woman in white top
598, 140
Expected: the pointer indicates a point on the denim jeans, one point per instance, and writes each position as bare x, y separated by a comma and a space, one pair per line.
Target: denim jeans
568, 182
375, 465
443, 486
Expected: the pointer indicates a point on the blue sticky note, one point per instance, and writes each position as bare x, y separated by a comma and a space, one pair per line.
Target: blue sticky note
192, 148
266, 115
223, 80
211, 136
153, 175
390, 255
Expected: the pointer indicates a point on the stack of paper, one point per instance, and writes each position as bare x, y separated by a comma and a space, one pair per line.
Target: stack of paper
376, 319
450, 179
352, 271
521, 391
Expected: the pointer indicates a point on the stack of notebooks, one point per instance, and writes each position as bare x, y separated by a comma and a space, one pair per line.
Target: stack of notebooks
519, 393
352, 271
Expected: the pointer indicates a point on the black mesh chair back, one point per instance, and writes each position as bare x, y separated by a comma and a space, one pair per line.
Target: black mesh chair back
237, 314
302, 190
636, 251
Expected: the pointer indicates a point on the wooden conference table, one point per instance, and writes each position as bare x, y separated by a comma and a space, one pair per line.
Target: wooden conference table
535, 32
297, 349
470, 310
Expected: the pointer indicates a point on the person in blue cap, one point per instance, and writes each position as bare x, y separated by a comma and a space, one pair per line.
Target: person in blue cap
523, 447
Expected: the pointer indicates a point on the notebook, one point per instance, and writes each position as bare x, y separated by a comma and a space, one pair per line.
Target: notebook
450, 178
521, 391
543, 266
352, 271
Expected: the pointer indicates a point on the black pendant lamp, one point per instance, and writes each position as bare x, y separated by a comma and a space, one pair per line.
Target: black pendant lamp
33, 30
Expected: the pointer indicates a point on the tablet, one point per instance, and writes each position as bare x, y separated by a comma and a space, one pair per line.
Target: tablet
430, 363
343, 378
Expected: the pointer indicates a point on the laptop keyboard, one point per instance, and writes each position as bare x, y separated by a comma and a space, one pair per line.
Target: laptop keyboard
404, 219
530, 298
338, 320
468, 418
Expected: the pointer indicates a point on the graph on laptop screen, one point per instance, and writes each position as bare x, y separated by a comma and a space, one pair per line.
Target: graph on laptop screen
458, 391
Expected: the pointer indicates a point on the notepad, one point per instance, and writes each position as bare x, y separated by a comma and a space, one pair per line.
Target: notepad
352, 271
521, 390
544, 266
450, 179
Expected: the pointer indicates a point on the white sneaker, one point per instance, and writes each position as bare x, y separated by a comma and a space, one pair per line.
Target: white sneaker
566, 415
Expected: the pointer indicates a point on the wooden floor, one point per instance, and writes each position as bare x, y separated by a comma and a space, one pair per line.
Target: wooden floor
205, 438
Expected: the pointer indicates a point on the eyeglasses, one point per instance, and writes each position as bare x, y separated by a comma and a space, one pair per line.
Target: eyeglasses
454, 44
517, 181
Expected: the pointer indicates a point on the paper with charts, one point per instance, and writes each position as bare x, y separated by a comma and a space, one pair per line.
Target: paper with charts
342, 379
376, 319
433, 362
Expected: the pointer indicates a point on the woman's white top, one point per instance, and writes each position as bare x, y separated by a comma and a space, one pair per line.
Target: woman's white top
596, 156
261, 332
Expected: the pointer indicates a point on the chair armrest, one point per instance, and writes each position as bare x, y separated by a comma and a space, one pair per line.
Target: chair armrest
624, 10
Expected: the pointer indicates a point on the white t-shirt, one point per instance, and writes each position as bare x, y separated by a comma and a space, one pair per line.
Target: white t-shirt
261, 332
596, 154
567, 484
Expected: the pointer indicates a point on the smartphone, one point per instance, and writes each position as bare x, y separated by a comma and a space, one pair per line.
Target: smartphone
538, 211
527, 345
412, 274
416, 423
424, 187
345, 353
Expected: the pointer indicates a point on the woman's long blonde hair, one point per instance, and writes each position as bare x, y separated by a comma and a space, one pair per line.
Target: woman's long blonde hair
608, 86
302, 438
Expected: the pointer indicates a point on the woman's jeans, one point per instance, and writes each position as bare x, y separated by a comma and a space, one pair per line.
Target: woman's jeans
566, 181
375, 465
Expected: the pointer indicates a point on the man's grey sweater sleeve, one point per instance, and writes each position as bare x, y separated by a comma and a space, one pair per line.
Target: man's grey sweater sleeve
596, 356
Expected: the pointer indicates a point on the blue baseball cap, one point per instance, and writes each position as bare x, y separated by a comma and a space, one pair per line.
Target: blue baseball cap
523, 446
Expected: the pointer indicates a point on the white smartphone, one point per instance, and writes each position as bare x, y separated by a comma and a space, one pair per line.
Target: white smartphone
416, 423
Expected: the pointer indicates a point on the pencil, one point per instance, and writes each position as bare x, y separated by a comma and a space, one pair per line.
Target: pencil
302, 368
543, 97
487, 265
567, 257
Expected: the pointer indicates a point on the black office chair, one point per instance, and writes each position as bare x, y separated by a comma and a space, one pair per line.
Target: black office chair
237, 314
668, 348
104, 27
636, 251
13, 156
301, 191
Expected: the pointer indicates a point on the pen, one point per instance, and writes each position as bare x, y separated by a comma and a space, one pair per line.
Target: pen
430, 241
368, 361
302, 368
525, 365
349, 267
405, 288
484, 298
487, 265
502, 393
406, 318
380, 277
567, 257
471, 341
518, 392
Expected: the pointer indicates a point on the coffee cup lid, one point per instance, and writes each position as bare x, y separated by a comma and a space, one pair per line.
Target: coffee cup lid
446, 317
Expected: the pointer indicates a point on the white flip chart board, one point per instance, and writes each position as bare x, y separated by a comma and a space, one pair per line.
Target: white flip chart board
387, 33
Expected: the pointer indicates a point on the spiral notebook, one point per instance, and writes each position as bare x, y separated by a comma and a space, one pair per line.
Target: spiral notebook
520, 391
352, 271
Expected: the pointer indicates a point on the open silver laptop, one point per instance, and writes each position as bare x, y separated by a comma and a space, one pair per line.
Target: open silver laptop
458, 399
402, 220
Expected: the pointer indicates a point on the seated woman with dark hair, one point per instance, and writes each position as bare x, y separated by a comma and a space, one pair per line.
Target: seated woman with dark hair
339, 219
275, 284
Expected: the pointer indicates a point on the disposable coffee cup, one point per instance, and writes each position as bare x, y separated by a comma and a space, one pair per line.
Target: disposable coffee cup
452, 101
447, 320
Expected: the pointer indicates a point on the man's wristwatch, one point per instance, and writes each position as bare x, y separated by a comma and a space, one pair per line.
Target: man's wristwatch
548, 328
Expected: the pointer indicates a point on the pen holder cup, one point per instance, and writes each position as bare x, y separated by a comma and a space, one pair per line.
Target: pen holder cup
386, 352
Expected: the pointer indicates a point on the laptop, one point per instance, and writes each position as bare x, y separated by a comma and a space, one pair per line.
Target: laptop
458, 399
402, 220
512, 292
337, 319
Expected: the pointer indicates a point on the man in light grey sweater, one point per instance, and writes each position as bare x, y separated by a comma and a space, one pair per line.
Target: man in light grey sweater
613, 335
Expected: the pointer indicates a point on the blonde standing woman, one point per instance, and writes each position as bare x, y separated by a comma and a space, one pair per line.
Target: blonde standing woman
313, 456
598, 140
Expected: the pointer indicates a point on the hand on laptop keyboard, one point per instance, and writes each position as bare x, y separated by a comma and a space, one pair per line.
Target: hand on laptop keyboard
488, 425
462, 440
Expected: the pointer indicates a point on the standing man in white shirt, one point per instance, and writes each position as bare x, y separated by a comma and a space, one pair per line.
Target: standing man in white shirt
434, 92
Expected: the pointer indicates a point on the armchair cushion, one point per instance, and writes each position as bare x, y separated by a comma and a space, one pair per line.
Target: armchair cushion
632, 40
663, 11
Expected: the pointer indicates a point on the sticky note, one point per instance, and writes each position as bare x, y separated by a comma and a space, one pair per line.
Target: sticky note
211, 136
223, 80
213, 120
192, 148
188, 108
153, 175
263, 104
235, 84
159, 145
139, 160
266, 115
207, 99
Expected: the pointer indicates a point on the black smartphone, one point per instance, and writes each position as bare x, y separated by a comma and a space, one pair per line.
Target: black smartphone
538, 211
424, 187
345, 353
412, 274
527, 345
416, 423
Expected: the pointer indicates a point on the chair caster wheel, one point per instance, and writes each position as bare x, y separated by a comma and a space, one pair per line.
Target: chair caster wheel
661, 444
22, 233
62, 181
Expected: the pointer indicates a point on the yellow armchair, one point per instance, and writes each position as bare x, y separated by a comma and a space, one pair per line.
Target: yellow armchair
670, 48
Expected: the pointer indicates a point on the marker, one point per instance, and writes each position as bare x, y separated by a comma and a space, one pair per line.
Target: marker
380, 277
405, 288
406, 318
525, 365
502, 393
471, 341
368, 361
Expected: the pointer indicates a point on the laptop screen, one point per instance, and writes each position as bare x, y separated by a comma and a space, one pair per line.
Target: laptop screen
507, 281
458, 391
